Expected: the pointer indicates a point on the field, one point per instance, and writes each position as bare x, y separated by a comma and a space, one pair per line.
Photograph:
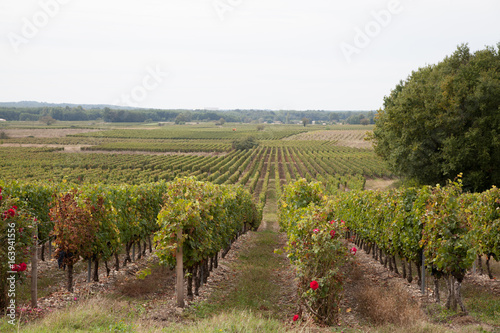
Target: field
258, 284
132, 155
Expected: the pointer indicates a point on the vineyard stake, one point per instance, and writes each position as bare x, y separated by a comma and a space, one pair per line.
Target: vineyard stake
50, 249
34, 271
179, 270
133, 252
89, 268
423, 272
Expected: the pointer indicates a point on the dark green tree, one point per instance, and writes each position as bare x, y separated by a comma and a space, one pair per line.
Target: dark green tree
444, 120
305, 121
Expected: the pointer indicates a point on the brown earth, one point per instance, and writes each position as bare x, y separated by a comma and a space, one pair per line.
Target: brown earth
378, 184
46, 133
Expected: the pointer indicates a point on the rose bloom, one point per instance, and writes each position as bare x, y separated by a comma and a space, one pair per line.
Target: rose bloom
354, 250
296, 317
332, 233
9, 213
314, 285
316, 231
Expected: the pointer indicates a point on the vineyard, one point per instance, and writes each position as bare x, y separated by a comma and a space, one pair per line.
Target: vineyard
439, 230
138, 173
134, 156
97, 194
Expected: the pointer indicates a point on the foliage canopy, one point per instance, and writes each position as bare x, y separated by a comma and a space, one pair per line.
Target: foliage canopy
245, 143
443, 120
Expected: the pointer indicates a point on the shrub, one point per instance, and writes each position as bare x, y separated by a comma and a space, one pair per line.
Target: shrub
245, 143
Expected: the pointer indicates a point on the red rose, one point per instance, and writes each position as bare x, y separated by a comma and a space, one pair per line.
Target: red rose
9, 213
332, 233
22, 267
14, 207
314, 285
354, 250
296, 317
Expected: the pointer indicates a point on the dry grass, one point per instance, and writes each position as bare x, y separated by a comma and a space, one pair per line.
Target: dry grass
389, 305
146, 288
379, 184
93, 315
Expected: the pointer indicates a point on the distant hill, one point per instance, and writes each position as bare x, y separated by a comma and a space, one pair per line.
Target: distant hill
33, 104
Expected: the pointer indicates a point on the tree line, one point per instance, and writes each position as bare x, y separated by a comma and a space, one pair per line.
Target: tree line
79, 113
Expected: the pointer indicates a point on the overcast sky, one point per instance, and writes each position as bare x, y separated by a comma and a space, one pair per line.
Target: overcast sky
265, 54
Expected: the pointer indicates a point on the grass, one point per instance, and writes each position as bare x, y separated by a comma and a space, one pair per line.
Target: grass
482, 305
104, 315
95, 315
233, 321
253, 289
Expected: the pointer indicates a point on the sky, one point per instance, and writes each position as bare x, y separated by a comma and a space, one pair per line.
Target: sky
230, 54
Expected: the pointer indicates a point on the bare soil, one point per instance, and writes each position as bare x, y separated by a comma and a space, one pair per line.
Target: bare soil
343, 138
46, 133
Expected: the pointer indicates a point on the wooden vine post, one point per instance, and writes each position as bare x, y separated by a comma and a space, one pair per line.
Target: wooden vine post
179, 269
423, 272
34, 270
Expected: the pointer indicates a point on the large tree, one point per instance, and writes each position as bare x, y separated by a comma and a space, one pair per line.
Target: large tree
444, 120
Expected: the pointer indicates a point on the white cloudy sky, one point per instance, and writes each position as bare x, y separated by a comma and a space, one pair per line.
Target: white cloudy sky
270, 54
